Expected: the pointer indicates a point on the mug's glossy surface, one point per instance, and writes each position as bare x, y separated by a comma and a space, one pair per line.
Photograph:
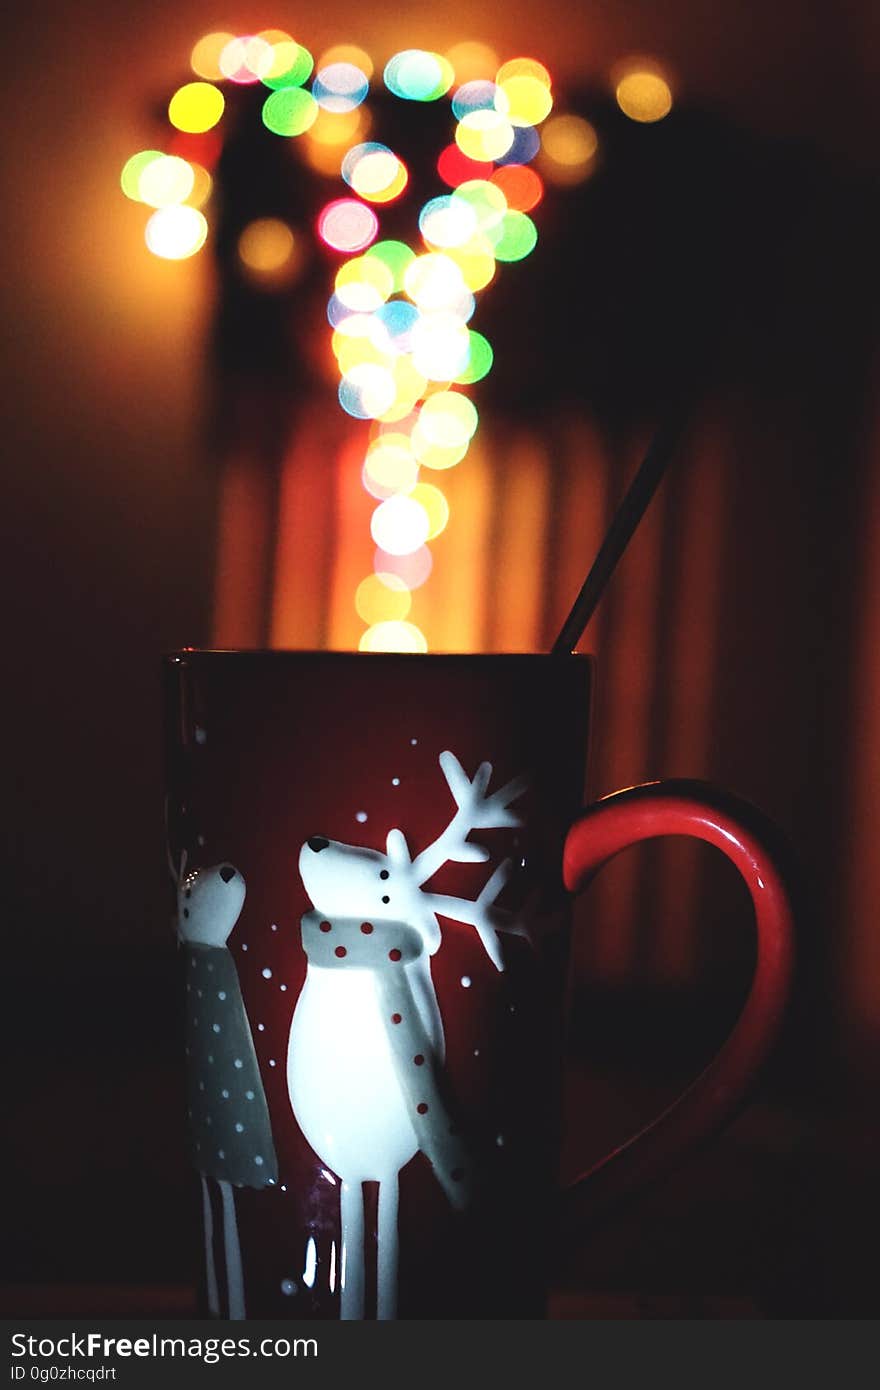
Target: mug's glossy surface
373, 929
371, 856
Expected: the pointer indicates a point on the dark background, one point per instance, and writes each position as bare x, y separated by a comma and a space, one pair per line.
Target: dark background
729, 254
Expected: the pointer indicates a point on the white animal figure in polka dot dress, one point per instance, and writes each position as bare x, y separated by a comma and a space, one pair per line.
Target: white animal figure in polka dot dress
366, 1042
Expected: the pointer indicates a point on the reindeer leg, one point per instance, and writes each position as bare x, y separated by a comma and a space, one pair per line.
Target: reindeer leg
387, 1243
234, 1275
210, 1266
351, 1280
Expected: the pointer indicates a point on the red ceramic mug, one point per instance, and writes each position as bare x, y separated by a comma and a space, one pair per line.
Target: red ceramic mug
374, 856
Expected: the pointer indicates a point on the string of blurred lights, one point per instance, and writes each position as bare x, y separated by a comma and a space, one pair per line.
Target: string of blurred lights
400, 311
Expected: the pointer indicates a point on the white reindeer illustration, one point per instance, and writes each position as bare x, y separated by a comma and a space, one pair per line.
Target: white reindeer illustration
366, 1042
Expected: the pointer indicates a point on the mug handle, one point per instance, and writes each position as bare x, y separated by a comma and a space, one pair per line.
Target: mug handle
755, 847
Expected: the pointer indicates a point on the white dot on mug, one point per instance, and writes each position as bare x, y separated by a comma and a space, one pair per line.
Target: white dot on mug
413, 742
238, 1064
283, 987
395, 781
267, 973
499, 1140
360, 817
274, 926
465, 981
244, 945
287, 1285
271, 1061
261, 1027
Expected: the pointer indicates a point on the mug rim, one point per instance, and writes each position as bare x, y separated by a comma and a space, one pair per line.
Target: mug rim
293, 654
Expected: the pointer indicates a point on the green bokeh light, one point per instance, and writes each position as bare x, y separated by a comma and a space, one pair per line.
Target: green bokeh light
289, 111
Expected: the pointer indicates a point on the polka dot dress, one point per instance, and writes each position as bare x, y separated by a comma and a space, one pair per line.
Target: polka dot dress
230, 1133
385, 948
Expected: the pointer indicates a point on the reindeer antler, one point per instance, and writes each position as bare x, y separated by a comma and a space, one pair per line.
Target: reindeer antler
475, 811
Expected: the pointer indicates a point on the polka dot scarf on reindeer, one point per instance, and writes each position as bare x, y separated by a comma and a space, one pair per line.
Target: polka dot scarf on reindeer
385, 949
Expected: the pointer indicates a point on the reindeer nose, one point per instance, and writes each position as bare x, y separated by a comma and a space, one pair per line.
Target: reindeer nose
317, 843
227, 872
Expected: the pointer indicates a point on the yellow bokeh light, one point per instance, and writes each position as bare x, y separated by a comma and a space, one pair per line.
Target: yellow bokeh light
202, 186
409, 387
337, 128
643, 93
174, 233
433, 281
436, 456
568, 148
379, 176
525, 100
166, 181
346, 53
447, 418
475, 261
196, 107
472, 61
357, 349
390, 466
205, 57
523, 67
435, 505
393, 637
440, 346
266, 245
365, 282
382, 598
484, 135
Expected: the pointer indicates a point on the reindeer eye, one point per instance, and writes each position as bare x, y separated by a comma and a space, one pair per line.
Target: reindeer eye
386, 899
383, 873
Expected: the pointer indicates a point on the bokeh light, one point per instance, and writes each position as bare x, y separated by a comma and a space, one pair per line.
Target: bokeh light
175, 233
447, 419
400, 525
480, 95
366, 391
268, 252
290, 65
568, 147
196, 107
525, 145
374, 172
393, 637
515, 237
165, 181
396, 255
642, 92
524, 100
340, 87
448, 221
133, 168
435, 505
479, 362
201, 188
347, 225
471, 60
289, 111
414, 569
382, 598
390, 466
484, 135
455, 167
347, 53
522, 187
205, 57
417, 75
245, 60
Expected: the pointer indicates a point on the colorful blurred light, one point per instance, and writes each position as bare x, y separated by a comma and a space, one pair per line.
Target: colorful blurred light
455, 167
245, 60
447, 221
447, 419
525, 145
479, 362
390, 466
515, 237
289, 111
393, 637
643, 93
196, 107
396, 255
435, 505
471, 60
484, 135
522, 188
413, 569
382, 598
340, 87
347, 53
524, 100
290, 65
175, 233
417, 75
480, 95
133, 168
266, 247
374, 172
165, 181
347, 225
400, 525
205, 57
568, 145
